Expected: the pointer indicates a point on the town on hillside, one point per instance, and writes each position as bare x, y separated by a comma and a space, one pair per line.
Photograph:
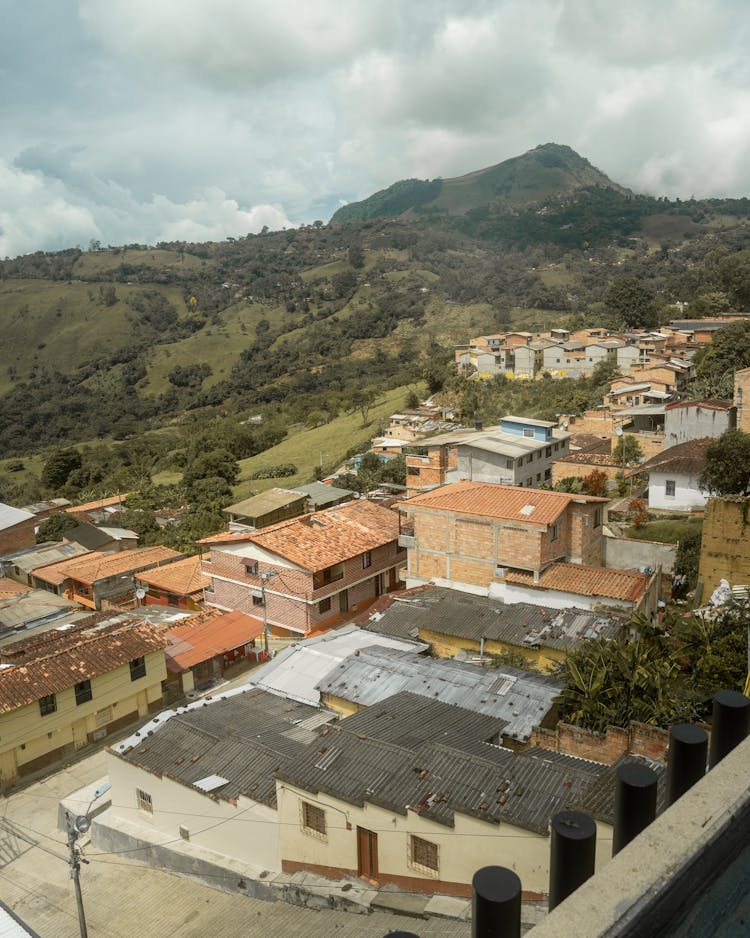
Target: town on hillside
398, 673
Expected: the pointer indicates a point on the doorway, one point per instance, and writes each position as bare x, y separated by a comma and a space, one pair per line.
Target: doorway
367, 853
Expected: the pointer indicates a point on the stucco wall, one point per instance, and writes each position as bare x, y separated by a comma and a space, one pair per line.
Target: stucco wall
693, 423
687, 495
623, 553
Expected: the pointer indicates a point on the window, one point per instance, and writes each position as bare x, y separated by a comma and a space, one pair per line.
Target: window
83, 692
366, 559
529, 458
553, 532
137, 668
412, 470
173, 599
251, 567
257, 599
527, 431
423, 854
324, 605
48, 704
143, 799
597, 517
548, 452
670, 486
538, 477
313, 819
329, 575
508, 463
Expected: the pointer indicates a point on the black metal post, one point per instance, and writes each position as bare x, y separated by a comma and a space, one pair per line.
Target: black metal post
686, 759
635, 802
572, 854
496, 903
731, 724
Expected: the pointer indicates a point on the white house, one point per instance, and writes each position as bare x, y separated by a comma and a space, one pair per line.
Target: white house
673, 476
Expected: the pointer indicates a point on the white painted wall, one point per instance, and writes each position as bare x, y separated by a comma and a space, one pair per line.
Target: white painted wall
687, 494
513, 593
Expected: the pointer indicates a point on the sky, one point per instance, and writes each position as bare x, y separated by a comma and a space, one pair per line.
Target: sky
139, 121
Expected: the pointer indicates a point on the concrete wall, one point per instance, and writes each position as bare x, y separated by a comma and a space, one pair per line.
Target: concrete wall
622, 553
554, 599
687, 496
693, 423
742, 399
725, 546
245, 831
463, 849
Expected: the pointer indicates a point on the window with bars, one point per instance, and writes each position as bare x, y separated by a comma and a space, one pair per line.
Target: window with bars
144, 801
83, 692
366, 559
137, 668
313, 819
423, 854
48, 704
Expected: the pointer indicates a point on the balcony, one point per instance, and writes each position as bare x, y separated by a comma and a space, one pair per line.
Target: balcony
407, 540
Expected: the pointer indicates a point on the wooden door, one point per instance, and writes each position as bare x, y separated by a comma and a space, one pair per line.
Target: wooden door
367, 853
344, 601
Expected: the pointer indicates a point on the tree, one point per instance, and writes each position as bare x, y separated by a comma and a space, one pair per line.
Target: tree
573, 484
54, 527
362, 400
632, 303
356, 256
595, 483
727, 469
688, 558
216, 463
412, 400
59, 466
637, 512
630, 447
728, 352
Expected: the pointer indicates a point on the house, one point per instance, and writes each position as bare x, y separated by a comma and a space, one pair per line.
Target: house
17, 528
201, 647
96, 578
320, 495
694, 420
520, 451
673, 476
99, 511
725, 545
297, 671
204, 775
521, 699
104, 539
742, 398
68, 687
18, 564
595, 588
309, 572
269, 507
45, 509
179, 584
467, 535
479, 627
412, 792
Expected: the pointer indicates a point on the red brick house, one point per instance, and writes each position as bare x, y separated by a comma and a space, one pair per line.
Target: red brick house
179, 584
312, 572
16, 529
468, 535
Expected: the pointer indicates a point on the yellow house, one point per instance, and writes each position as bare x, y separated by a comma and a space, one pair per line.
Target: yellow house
74, 685
476, 627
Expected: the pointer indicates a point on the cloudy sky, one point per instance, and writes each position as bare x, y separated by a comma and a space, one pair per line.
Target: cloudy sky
146, 120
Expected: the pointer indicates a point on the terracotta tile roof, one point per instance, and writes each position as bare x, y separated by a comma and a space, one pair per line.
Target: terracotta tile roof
198, 638
589, 458
688, 458
56, 573
586, 581
99, 503
318, 540
181, 577
60, 658
505, 502
10, 587
709, 403
590, 443
96, 566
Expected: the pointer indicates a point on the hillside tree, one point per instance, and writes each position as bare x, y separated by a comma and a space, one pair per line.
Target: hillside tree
727, 469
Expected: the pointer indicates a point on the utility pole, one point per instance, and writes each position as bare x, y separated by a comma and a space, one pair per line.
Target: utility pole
265, 575
76, 826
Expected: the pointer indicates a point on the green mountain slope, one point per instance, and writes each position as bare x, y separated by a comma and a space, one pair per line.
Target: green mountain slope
548, 171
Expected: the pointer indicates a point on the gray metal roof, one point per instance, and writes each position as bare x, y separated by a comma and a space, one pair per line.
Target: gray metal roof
10, 516
463, 615
264, 503
298, 669
521, 698
243, 738
322, 495
32, 557
33, 608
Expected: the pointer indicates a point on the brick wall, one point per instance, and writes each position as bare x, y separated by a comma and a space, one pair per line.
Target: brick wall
725, 545
742, 398
637, 739
18, 536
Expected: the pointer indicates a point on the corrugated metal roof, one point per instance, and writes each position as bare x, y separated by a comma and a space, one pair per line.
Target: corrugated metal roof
33, 557
265, 502
10, 516
377, 673
29, 607
298, 669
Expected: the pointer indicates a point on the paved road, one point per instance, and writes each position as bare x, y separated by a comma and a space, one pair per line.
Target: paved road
124, 899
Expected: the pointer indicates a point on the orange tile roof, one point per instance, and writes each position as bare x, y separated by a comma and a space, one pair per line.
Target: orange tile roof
181, 577
99, 503
58, 659
10, 587
199, 638
321, 539
590, 459
95, 566
505, 502
586, 581
55, 573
